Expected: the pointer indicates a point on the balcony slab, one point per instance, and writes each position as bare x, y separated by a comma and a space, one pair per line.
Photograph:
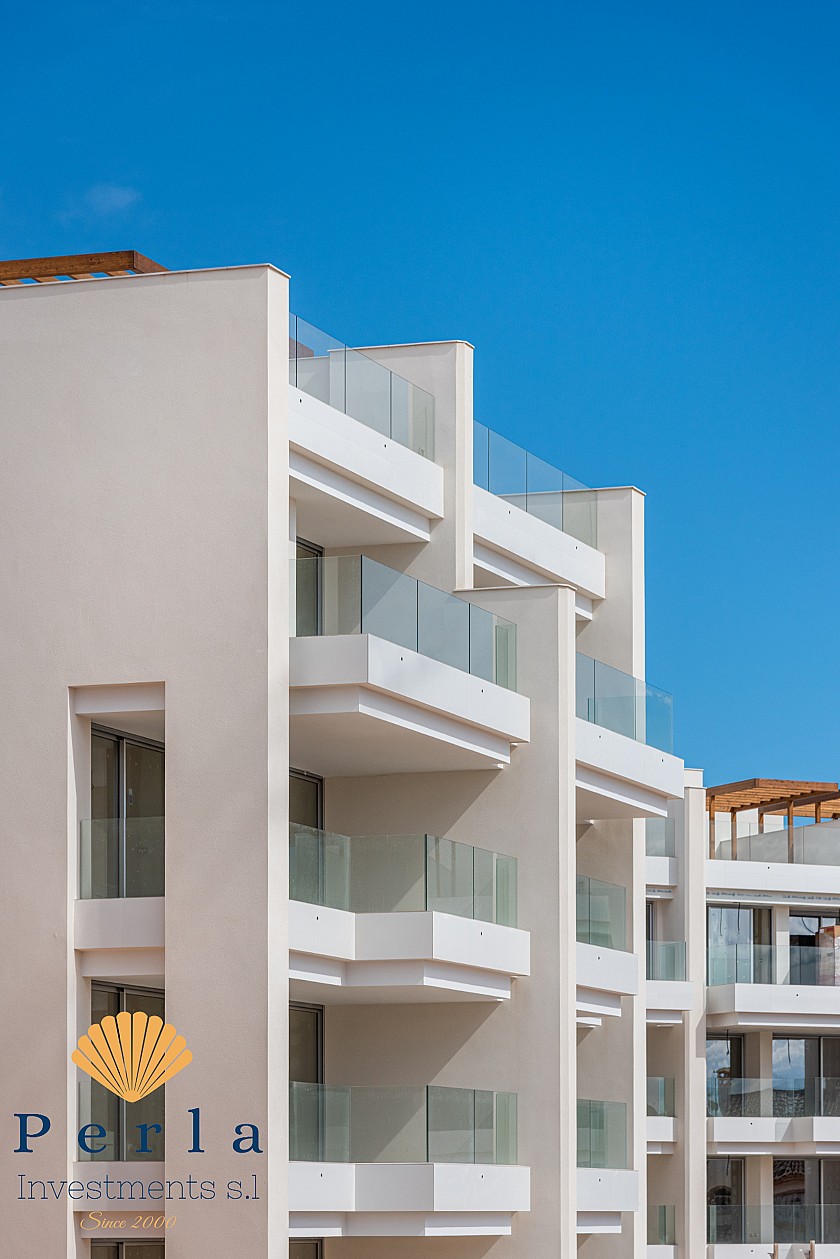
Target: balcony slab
619, 777
520, 548
661, 1134
350, 482
799, 1136
666, 1001
336, 956
775, 882
405, 1199
603, 977
360, 705
603, 1194
773, 1006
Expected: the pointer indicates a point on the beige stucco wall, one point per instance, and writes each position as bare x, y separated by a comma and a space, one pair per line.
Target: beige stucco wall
143, 503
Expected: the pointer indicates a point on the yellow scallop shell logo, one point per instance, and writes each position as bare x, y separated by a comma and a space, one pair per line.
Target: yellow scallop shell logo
132, 1054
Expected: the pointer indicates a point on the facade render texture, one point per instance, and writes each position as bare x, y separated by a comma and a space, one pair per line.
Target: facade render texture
333, 749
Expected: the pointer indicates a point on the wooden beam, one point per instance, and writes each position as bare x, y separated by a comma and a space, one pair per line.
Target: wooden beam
125, 260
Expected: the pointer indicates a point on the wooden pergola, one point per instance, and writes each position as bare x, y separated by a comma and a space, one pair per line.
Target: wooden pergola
791, 797
75, 267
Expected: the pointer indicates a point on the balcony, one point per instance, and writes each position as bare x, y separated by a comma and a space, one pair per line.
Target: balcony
793, 1118
119, 916
396, 1162
734, 1229
667, 993
801, 860
533, 522
661, 1112
605, 1185
661, 1231
401, 918
387, 671
660, 852
624, 742
606, 972
361, 445
763, 985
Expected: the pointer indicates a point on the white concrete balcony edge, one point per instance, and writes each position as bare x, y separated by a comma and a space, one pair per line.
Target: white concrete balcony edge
800, 1136
350, 480
405, 1199
661, 1252
666, 1001
775, 881
661, 872
603, 1193
773, 1006
358, 701
603, 977
661, 1134
121, 938
622, 777
764, 1250
523, 548
412, 956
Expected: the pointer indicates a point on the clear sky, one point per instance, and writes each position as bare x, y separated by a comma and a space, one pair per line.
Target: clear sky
631, 210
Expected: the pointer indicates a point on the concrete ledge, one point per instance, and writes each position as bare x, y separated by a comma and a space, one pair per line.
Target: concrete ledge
120, 922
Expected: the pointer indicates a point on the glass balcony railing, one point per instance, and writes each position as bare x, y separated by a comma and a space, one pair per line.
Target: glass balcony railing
338, 1124
601, 913
817, 845
666, 959
800, 966
355, 383
351, 594
121, 1139
601, 1134
520, 478
661, 1226
660, 1096
767, 1225
121, 857
625, 704
383, 874
660, 837
734, 1097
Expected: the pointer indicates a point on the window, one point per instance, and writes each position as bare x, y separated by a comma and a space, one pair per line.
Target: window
812, 948
306, 799
122, 845
725, 1197
123, 1141
307, 588
724, 1064
127, 1250
306, 1043
739, 945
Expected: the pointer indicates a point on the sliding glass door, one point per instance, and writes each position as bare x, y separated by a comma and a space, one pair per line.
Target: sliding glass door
122, 843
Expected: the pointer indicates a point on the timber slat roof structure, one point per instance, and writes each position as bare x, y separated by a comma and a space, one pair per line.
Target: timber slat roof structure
793, 797
68, 267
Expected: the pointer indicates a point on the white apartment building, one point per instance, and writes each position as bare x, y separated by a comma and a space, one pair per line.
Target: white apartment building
333, 749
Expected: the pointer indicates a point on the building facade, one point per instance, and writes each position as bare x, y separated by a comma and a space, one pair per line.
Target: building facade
349, 772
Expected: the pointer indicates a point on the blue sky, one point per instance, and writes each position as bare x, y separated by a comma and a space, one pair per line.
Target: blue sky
630, 210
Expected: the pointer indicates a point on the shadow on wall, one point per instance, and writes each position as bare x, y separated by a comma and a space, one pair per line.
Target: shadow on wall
372, 1047
411, 1247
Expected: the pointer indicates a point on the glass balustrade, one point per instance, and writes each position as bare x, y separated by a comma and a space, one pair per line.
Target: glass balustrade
660, 837
121, 857
601, 1134
666, 959
353, 382
735, 1097
815, 845
800, 1223
661, 1226
514, 474
392, 873
615, 700
661, 1096
799, 966
340, 1124
352, 594
601, 913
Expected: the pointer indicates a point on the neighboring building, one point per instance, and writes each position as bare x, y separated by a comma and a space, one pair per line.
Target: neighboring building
423, 884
